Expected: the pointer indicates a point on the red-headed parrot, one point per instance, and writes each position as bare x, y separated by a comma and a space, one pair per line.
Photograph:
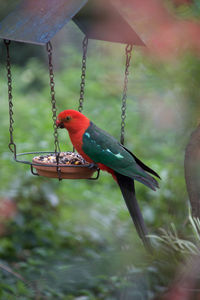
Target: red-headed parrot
100, 148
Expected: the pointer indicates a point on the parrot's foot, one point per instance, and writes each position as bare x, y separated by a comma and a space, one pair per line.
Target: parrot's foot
93, 166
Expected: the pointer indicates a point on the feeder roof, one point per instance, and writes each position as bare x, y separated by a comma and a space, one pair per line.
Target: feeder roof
37, 21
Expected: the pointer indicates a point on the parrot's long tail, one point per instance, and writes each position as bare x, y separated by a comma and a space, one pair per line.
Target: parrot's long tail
127, 187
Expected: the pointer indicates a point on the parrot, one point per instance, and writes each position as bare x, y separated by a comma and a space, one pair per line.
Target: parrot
101, 149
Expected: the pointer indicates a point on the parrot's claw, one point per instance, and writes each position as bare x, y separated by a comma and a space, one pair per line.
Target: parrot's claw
93, 166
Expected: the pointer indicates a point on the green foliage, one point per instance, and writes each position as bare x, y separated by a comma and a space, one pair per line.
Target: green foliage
171, 239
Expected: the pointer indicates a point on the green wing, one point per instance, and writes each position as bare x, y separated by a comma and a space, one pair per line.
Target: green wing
103, 148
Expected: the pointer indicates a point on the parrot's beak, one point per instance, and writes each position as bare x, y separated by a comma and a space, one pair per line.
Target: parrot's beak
59, 124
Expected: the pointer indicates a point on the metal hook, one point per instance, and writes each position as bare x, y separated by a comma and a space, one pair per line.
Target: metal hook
97, 177
32, 171
7, 42
12, 148
49, 46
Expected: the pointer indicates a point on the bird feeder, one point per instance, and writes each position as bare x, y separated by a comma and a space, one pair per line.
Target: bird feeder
37, 22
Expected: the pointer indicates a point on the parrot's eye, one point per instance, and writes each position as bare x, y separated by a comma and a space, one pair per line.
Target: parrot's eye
68, 118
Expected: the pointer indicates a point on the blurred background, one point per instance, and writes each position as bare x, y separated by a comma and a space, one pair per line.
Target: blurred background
74, 239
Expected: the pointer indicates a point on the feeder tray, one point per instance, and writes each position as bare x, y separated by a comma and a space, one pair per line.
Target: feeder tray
70, 166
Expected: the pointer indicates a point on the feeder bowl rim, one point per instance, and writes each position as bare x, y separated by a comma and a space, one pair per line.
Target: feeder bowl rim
88, 165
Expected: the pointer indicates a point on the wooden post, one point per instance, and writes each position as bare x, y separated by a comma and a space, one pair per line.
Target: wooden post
192, 171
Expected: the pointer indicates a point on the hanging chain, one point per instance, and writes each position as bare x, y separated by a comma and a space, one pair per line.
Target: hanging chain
11, 145
128, 51
53, 99
82, 85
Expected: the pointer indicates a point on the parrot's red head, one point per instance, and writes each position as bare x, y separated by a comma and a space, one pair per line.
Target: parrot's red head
72, 120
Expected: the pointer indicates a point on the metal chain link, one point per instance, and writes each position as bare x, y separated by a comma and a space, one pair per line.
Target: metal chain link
53, 99
128, 51
83, 74
11, 145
